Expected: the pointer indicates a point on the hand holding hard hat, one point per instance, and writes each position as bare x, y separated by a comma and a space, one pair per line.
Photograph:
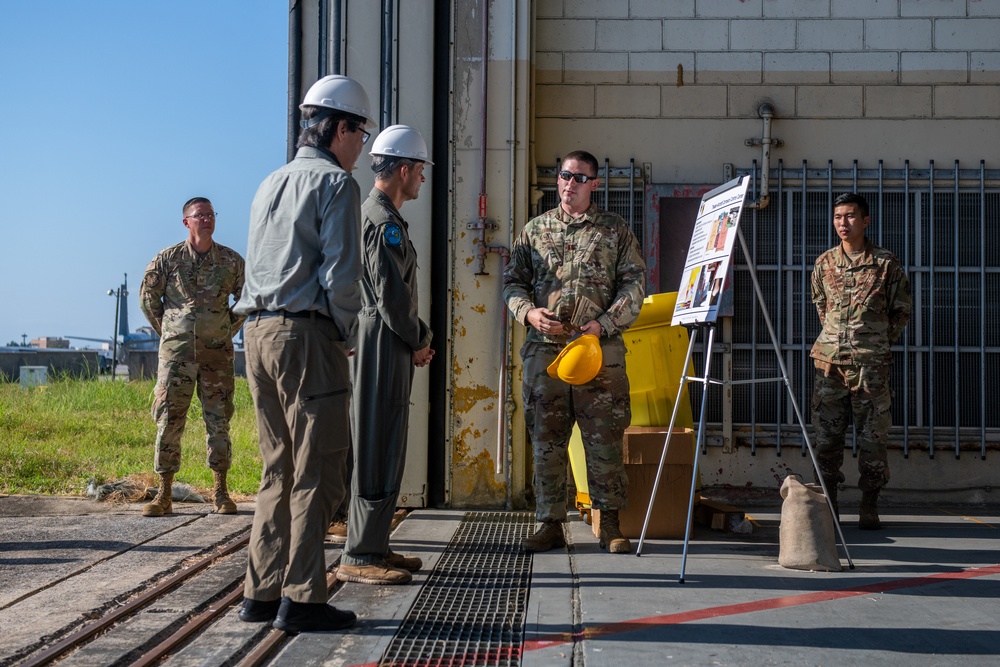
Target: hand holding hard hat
579, 362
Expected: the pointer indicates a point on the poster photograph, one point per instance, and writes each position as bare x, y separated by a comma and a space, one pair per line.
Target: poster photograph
700, 296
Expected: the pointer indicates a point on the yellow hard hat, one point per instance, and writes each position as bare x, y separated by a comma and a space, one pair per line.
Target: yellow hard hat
579, 362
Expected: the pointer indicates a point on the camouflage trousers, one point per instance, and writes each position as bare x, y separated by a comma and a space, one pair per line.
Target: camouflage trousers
862, 392
176, 382
602, 410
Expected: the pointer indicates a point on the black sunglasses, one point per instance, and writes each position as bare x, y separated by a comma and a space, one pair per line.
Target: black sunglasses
579, 178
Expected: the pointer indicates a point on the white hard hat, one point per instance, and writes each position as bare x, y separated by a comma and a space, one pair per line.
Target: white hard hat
401, 141
341, 93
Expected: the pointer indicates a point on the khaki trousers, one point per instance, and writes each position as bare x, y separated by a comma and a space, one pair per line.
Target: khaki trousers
300, 382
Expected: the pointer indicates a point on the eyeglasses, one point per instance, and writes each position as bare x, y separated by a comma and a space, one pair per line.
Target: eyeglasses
368, 135
203, 216
579, 178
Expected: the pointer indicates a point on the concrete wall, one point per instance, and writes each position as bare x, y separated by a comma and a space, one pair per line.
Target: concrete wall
678, 84
74, 363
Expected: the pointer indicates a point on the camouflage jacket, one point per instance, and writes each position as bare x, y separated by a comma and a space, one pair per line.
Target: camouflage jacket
585, 268
186, 299
863, 305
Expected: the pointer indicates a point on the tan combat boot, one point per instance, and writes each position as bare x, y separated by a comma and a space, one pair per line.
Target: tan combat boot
223, 503
162, 503
337, 532
868, 511
611, 535
549, 536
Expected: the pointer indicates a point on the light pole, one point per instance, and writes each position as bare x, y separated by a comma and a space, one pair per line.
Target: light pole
118, 294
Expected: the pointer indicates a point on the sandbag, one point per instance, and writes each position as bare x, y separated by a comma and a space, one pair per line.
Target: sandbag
807, 538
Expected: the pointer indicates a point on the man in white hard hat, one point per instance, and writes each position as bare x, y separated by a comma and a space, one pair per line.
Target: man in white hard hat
301, 298
392, 340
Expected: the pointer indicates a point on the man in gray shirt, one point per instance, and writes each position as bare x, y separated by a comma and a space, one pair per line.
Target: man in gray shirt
302, 296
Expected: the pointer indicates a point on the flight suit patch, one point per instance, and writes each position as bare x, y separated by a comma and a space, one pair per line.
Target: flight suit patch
392, 234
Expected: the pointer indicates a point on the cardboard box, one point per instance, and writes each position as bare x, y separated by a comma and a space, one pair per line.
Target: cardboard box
641, 451
643, 445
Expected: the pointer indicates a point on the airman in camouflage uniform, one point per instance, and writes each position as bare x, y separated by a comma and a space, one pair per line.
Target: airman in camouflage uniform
185, 296
863, 300
576, 269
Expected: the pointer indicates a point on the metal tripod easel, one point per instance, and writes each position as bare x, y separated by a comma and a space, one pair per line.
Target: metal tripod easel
706, 380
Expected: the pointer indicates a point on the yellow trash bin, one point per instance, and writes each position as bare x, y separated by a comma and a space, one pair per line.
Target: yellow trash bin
654, 361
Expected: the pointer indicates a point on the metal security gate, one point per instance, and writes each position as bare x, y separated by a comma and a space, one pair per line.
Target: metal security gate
943, 225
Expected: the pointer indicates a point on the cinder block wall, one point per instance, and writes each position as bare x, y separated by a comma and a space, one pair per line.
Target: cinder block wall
678, 83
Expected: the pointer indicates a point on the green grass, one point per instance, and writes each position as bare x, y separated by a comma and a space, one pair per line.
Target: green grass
54, 439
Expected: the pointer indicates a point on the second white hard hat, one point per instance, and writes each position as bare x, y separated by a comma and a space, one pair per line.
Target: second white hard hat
342, 93
401, 141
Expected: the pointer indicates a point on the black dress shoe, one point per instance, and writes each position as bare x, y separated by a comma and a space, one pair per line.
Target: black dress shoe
296, 617
258, 611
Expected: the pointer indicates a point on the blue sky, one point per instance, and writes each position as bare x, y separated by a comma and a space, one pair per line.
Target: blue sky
113, 113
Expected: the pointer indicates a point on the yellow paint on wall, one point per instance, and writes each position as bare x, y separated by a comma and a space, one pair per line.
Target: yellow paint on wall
477, 485
466, 398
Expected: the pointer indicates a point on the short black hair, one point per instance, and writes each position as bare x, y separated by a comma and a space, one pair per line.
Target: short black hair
385, 166
321, 134
585, 157
195, 200
853, 198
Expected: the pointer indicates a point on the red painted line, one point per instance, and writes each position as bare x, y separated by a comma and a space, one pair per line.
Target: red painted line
608, 629
759, 605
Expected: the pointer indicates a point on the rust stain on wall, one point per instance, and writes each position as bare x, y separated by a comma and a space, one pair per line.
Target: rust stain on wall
466, 398
481, 308
476, 484
461, 449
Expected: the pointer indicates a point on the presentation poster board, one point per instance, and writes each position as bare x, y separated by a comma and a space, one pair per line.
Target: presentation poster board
710, 253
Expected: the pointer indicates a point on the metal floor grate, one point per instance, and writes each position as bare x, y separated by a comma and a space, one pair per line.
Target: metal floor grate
471, 610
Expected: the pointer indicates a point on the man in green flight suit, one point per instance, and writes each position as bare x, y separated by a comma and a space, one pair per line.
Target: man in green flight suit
185, 296
392, 340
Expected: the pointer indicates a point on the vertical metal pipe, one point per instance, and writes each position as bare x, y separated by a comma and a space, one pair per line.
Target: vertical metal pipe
631, 196
881, 203
982, 310
854, 426
804, 283
114, 338
906, 336
779, 315
322, 38
388, 73
607, 183
930, 314
294, 76
506, 349
958, 312
484, 55
336, 37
